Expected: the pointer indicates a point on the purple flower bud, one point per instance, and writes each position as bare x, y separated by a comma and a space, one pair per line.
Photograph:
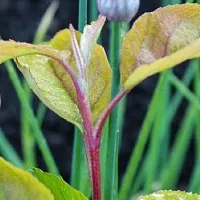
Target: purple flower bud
118, 10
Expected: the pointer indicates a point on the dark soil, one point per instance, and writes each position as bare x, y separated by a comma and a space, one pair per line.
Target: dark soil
18, 20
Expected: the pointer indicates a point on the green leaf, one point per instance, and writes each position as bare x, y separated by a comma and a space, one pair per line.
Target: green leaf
11, 49
170, 195
18, 184
160, 40
59, 188
47, 83
98, 73
50, 81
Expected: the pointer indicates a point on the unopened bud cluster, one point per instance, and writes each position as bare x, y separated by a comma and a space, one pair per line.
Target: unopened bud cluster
118, 10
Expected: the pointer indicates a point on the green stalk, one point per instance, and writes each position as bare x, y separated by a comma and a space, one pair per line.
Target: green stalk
8, 151
176, 101
172, 109
176, 2
28, 141
93, 14
45, 23
185, 91
48, 158
197, 92
171, 173
158, 139
78, 147
137, 153
194, 184
165, 128
111, 173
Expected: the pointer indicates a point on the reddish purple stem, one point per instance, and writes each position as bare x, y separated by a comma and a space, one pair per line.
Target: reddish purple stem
101, 122
92, 136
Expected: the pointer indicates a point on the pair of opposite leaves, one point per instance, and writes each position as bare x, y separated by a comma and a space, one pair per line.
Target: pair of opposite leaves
157, 41
18, 184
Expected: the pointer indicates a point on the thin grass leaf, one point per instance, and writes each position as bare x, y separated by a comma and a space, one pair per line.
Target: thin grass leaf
194, 184
138, 150
185, 91
8, 151
172, 171
37, 131
156, 146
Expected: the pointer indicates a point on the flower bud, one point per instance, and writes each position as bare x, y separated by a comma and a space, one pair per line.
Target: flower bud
118, 10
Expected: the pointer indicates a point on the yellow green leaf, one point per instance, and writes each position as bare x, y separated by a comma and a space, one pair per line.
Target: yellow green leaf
49, 83
160, 40
59, 188
170, 195
98, 72
11, 49
45, 82
18, 184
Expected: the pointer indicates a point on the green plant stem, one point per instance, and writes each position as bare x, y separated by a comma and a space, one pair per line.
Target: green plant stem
157, 136
93, 14
78, 147
48, 158
171, 111
41, 111
164, 126
194, 181
138, 150
28, 141
45, 23
175, 102
175, 1
171, 173
111, 173
186, 92
8, 151
77, 159
197, 92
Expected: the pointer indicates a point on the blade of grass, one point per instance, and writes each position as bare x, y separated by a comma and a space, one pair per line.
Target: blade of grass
171, 173
176, 2
28, 142
111, 172
8, 151
165, 128
110, 188
171, 110
194, 184
185, 91
175, 102
45, 23
138, 150
157, 136
93, 14
78, 147
197, 92
27, 139
48, 158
